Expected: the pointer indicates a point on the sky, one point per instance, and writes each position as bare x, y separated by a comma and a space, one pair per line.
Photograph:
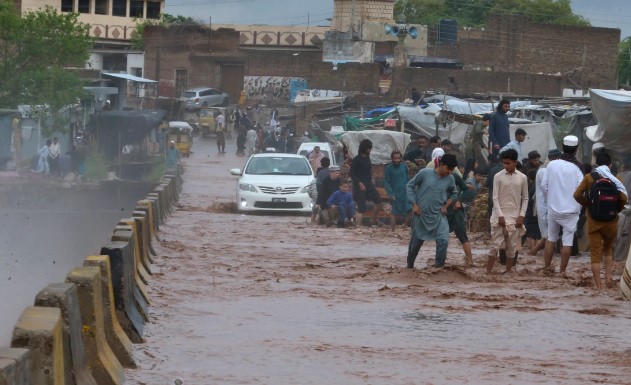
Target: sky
601, 13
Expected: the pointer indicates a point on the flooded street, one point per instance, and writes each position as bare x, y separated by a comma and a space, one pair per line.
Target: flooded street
47, 230
270, 299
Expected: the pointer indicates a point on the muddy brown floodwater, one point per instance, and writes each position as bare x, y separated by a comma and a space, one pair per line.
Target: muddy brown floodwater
269, 299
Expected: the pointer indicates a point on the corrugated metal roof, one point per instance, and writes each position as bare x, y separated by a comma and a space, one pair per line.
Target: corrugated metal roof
131, 77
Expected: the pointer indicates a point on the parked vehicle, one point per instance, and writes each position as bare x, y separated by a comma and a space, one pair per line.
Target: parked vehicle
199, 97
182, 134
274, 182
207, 122
326, 148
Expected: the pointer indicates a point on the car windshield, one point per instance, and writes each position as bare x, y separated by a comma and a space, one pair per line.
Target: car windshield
189, 94
278, 165
306, 153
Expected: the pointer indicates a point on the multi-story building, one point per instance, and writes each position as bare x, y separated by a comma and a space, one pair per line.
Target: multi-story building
112, 24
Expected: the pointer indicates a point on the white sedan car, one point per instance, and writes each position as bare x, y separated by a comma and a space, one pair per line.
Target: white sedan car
274, 182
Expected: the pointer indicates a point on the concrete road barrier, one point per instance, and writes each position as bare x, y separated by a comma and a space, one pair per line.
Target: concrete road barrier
159, 211
114, 334
141, 234
148, 207
15, 366
39, 329
169, 194
127, 309
126, 232
65, 297
123, 234
133, 225
160, 192
145, 233
105, 367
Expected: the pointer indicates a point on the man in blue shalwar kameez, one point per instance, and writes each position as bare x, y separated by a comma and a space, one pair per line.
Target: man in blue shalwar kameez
395, 179
431, 192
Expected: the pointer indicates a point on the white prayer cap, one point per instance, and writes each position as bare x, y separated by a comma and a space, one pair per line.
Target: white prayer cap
570, 141
597, 145
437, 152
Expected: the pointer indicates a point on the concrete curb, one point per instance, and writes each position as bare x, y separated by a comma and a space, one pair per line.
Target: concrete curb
119, 342
66, 297
16, 366
106, 369
39, 329
122, 278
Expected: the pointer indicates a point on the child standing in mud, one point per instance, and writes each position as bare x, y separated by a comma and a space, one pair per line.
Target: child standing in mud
510, 200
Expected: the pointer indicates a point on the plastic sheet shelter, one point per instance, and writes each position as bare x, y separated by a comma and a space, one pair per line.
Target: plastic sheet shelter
115, 129
383, 143
612, 109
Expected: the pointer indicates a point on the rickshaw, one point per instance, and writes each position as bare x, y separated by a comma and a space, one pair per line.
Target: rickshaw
182, 134
207, 122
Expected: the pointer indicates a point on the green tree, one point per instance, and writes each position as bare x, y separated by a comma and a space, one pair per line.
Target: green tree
474, 12
542, 11
624, 62
137, 39
36, 50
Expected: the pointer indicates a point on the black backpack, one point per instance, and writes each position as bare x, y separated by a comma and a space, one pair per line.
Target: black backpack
604, 199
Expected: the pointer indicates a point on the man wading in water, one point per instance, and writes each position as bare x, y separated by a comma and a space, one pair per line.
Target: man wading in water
431, 192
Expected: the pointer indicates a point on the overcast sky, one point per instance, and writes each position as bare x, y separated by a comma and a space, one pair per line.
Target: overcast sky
601, 13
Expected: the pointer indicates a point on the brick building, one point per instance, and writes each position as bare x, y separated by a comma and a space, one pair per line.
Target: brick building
510, 56
581, 56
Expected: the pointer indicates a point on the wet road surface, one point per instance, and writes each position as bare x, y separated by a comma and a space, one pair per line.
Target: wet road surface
270, 299
46, 231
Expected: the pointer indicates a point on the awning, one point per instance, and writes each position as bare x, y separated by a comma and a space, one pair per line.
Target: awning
130, 77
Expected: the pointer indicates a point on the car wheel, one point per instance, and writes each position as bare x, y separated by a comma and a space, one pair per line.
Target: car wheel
225, 102
205, 104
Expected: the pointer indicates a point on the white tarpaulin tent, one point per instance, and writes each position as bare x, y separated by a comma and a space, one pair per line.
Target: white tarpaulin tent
612, 109
461, 106
383, 143
539, 137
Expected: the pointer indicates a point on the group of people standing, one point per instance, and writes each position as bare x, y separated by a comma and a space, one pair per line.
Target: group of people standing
48, 162
252, 137
547, 199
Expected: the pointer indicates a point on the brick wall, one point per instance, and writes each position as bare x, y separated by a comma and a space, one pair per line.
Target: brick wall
512, 44
475, 82
191, 48
347, 77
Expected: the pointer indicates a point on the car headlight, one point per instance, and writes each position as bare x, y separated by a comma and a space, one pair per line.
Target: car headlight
306, 189
247, 187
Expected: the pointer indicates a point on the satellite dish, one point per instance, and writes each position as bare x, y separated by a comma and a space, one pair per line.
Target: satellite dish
413, 32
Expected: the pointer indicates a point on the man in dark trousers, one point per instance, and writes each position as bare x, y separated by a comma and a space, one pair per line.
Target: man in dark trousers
363, 185
499, 135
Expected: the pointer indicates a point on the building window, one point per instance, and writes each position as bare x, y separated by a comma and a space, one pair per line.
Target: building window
136, 71
153, 9
119, 8
84, 6
66, 5
100, 7
136, 8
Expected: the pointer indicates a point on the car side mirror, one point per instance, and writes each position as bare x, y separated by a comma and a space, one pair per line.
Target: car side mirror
236, 171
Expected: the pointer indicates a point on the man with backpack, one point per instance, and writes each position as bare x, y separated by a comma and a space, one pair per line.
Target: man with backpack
604, 196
